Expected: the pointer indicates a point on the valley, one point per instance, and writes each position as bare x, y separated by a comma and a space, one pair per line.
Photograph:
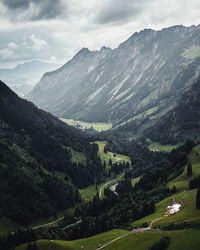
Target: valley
104, 151
88, 125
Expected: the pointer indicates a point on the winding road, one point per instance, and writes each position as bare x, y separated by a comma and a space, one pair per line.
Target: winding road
107, 183
50, 223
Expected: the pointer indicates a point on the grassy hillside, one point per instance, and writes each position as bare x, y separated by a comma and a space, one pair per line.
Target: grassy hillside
182, 181
153, 146
87, 243
110, 155
135, 180
77, 156
188, 212
83, 125
183, 239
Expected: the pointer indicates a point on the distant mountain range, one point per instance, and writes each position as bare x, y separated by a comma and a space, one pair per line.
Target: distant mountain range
144, 76
24, 76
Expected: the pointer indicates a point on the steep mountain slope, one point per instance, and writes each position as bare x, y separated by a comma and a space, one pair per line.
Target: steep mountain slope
33, 148
180, 123
146, 73
24, 76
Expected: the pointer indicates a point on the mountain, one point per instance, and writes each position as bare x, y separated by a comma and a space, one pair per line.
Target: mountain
24, 76
37, 174
145, 74
181, 122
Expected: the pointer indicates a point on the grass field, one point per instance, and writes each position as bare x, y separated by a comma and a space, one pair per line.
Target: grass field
183, 239
135, 180
87, 243
88, 193
77, 156
153, 146
182, 181
110, 155
188, 212
100, 126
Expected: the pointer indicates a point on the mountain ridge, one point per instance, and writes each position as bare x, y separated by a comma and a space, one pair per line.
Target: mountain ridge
34, 147
150, 69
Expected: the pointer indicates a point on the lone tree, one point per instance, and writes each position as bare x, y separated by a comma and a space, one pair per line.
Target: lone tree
189, 169
198, 199
105, 150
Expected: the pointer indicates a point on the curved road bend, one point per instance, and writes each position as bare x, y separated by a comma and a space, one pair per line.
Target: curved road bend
107, 183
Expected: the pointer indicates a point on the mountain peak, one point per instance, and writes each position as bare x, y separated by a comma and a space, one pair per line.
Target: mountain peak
83, 52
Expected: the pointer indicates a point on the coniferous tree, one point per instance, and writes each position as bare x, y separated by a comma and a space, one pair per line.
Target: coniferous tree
105, 150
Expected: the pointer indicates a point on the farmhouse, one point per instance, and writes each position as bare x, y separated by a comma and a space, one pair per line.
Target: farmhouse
172, 209
118, 159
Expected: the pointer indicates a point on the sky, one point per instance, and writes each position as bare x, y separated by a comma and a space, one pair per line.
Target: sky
54, 30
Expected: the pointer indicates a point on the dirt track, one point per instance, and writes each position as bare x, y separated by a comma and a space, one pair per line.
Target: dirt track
138, 230
50, 223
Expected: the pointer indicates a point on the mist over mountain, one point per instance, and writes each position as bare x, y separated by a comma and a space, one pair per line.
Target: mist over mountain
24, 76
146, 73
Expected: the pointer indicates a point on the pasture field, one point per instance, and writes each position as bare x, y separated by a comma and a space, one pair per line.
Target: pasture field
187, 213
110, 155
182, 181
153, 146
182, 239
77, 156
135, 180
98, 126
87, 243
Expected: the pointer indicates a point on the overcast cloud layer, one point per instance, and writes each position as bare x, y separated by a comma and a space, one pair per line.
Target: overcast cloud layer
54, 30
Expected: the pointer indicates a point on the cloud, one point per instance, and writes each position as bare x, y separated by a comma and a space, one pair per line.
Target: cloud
33, 10
7, 54
45, 28
119, 11
37, 43
53, 58
12, 45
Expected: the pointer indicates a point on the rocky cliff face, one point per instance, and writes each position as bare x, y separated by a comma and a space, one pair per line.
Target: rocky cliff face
147, 73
